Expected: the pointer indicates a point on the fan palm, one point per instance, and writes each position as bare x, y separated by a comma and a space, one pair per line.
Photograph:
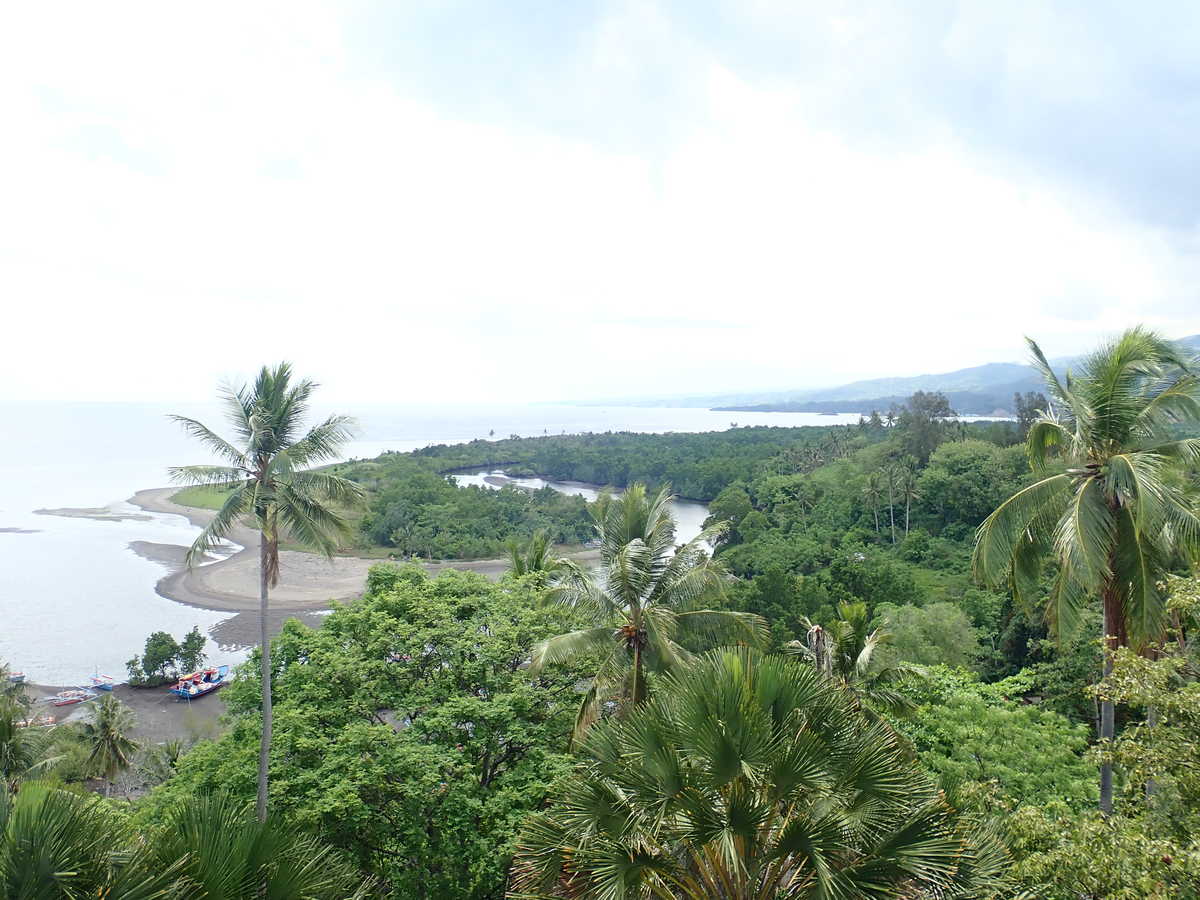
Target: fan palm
227, 854
106, 734
748, 777
270, 480
643, 601
55, 843
845, 653
1106, 508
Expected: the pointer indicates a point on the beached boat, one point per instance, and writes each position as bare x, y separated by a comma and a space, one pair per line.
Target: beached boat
36, 722
16, 677
102, 682
66, 698
197, 684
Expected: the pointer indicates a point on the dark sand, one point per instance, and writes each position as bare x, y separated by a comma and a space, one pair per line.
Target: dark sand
159, 716
308, 582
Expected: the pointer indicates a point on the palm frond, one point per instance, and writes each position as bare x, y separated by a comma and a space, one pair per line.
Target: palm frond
238, 504
213, 441
1001, 533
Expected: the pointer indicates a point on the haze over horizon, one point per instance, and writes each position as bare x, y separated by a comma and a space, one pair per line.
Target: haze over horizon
480, 203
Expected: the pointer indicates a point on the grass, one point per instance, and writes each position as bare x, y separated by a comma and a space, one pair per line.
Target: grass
200, 497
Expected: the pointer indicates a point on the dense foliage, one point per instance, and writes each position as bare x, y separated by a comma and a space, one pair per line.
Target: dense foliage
750, 777
406, 729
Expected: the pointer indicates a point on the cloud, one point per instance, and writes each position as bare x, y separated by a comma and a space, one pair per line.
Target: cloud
188, 196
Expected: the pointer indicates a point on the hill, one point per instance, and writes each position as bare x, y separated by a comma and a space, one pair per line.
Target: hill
977, 390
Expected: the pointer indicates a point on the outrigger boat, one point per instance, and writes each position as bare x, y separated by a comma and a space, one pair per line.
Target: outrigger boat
66, 698
16, 677
197, 684
102, 682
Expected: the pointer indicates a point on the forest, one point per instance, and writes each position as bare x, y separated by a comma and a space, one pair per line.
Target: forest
908, 658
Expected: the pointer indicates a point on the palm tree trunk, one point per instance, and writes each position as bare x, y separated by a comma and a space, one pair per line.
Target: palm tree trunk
1107, 709
264, 747
907, 506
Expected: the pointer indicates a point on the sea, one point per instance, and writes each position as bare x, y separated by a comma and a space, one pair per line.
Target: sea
74, 597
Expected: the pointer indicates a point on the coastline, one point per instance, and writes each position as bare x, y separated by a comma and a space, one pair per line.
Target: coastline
308, 582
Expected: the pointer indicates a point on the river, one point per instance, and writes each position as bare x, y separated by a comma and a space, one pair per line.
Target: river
75, 597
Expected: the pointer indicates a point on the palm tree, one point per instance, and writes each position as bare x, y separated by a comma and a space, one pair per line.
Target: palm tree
1106, 509
270, 480
228, 854
873, 492
891, 477
749, 777
643, 601
536, 555
106, 735
845, 653
907, 482
57, 843
24, 750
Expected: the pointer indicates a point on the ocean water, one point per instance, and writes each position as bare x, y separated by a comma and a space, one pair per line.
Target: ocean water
74, 598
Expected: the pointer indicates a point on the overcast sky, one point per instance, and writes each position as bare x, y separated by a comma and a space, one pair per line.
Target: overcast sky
450, 201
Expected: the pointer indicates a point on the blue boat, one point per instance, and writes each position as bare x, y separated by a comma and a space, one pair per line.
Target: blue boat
197, 684
102, 682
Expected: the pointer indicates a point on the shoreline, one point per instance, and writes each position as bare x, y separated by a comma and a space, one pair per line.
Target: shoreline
308, 582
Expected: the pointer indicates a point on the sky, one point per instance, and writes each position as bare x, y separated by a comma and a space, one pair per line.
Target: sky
456, 201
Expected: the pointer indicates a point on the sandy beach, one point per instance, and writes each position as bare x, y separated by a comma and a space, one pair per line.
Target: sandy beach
159, 716
308, 582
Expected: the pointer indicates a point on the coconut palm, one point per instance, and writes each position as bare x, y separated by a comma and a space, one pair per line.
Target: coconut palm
535, 555
1107, 508
106, 734
749, 777
24, 750
873, 492
643, 602
845, 652
227, 854
270, 481
908, 484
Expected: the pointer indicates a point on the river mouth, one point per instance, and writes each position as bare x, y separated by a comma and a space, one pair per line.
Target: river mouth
689, 514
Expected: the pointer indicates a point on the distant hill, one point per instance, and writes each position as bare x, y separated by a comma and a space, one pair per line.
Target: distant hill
978, 390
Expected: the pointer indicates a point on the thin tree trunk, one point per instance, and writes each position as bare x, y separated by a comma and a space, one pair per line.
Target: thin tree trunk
907, 505
1107, 708
264, 747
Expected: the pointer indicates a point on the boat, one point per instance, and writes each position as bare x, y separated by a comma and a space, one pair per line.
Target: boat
44, 721
16, 677
75, 695
102, 682
197, 684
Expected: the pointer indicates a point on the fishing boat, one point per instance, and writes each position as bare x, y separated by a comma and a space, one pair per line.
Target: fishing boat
102, 682
197, 684
44, 721
75, 695
16, 677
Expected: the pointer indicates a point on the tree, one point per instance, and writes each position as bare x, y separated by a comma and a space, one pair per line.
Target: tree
750, 777
928, 635
57, 843
227, 854
269, 480
24, 751
1106, 509
1027, 408
908, 485
191, 650
845, 653
873, 492
535, 555
922, 423
160, 654
643, 603
409, 733
106, 734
